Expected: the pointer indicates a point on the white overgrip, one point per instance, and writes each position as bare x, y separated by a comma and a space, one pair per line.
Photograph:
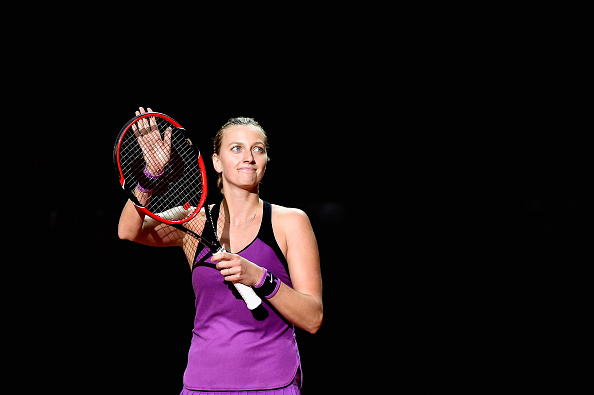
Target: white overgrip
249, 296
247, 293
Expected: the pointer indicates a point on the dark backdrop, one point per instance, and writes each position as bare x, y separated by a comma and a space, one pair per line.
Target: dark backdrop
117, 313
446, 174
438, 247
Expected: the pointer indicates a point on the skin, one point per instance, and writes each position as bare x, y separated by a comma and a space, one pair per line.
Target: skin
242, 162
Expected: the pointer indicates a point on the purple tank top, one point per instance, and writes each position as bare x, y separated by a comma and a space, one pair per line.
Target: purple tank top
231, 348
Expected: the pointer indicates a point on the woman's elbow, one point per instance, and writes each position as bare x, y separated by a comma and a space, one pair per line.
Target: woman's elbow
315, 323
314, 328
125, 234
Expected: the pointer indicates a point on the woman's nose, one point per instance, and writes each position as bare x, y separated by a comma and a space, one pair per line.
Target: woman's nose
248, 157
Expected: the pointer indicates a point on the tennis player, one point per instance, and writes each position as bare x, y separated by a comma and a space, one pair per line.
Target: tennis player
274, 251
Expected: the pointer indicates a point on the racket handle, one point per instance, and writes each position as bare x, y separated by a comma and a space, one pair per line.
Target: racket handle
247, 293
249, 296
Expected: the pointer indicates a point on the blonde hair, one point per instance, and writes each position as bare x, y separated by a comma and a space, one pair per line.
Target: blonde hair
218, 139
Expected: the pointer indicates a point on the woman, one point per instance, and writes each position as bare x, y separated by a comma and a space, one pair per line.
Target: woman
274, 250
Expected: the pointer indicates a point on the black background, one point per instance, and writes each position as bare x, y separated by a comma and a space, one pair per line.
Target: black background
106, 312
446, 169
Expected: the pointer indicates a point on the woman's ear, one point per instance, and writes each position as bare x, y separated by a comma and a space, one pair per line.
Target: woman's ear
216, 163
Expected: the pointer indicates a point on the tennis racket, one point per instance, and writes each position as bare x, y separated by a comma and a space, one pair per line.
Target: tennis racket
163, 174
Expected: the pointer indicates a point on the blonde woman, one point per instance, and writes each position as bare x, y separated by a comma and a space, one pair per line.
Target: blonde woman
273, 249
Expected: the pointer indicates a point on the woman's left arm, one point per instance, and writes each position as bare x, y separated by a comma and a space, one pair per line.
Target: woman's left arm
302, 304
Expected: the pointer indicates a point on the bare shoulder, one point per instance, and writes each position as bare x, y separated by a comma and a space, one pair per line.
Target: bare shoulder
290, 225
288, 216
295, 236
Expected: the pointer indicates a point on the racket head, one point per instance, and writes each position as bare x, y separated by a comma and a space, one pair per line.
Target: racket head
180, 192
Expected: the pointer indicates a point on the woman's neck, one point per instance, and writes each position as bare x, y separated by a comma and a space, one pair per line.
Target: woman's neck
240, 207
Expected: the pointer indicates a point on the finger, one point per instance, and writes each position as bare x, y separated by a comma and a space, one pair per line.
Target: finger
145, 124
223, 262
143, 120
223, 265
154, 128
221, 256
167, 138
142, 123
134, 127
140, 126
137, 128
152, 121
231, 275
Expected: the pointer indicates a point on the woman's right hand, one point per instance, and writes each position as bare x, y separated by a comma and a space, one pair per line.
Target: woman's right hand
156, 152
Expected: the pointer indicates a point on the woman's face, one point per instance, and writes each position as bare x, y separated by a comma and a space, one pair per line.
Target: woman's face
242, 157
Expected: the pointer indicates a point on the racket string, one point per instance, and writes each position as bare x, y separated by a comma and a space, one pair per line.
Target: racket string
181, 181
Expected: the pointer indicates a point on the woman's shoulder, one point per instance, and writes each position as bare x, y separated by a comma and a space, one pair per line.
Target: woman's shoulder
289, 224
283, 211
289, 216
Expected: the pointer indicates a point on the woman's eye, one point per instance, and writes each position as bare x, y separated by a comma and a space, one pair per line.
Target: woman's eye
236, 148
259, 150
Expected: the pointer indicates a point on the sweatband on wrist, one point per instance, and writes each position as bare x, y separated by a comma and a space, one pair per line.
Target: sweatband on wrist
268, 285
261, 282
146, 180
144, 189
152, 176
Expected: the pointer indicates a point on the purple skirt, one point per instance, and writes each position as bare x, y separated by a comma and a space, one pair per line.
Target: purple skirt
292, 389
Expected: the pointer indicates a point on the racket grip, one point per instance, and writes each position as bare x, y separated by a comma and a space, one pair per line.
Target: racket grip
249, 296
247, 293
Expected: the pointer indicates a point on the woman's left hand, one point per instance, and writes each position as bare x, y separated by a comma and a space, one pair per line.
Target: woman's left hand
237, 269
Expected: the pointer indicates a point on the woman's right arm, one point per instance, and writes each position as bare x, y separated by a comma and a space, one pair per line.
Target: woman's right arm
134, 225
137, 227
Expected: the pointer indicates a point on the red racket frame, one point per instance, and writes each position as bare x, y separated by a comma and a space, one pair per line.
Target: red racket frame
125, 130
